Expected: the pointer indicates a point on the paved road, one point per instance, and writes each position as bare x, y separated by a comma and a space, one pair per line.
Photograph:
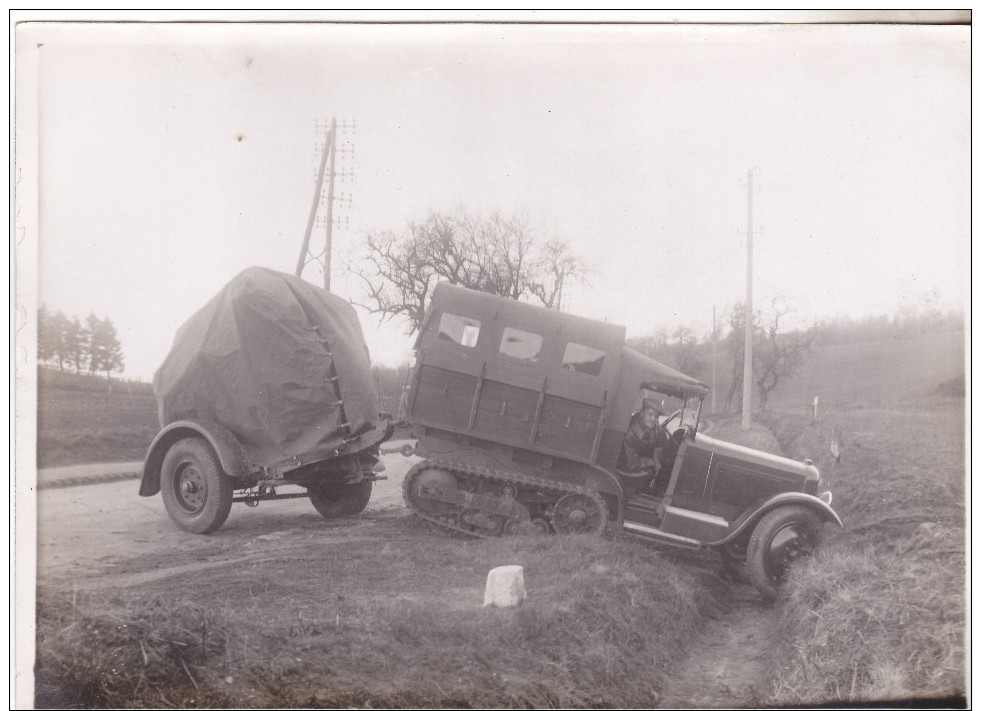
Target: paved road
82, 474
83, 529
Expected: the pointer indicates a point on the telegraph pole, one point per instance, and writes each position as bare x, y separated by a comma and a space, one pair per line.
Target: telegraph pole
328, 170
305, 249
748, 353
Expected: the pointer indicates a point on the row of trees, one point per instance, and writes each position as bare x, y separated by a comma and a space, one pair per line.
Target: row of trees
91, 346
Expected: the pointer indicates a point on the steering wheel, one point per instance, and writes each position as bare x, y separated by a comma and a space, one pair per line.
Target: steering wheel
670, 417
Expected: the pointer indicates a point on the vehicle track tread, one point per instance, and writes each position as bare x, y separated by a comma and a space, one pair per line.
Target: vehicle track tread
520, 480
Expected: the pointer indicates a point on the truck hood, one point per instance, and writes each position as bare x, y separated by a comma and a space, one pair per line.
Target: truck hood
757, 458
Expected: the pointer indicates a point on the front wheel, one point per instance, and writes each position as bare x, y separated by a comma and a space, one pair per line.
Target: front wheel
782, 536
335, 500
196, 492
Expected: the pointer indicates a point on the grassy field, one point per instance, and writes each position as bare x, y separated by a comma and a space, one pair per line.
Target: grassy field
77, 427
867, 374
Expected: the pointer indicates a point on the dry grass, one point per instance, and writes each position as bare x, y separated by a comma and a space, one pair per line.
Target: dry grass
156, 652
879, 614
393, 624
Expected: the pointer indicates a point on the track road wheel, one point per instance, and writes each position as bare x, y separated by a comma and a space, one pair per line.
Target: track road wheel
579, 513
335, 500
782, 536
196, 492
423, 487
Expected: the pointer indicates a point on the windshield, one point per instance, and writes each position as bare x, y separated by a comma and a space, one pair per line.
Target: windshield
676, 412
690, 412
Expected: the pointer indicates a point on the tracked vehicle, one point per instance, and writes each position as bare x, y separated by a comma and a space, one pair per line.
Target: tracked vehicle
521, 413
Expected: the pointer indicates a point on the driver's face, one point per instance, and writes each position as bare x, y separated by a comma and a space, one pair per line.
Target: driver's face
649, 417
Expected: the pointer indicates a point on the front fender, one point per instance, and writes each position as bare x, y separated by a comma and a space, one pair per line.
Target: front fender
748, 518
230, 452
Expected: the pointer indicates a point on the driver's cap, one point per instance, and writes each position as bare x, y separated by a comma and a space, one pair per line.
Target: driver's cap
652, 404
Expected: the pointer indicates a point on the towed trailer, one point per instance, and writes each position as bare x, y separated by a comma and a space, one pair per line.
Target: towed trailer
267, 387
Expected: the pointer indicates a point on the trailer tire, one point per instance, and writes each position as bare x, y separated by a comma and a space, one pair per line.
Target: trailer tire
337, 500
196, 491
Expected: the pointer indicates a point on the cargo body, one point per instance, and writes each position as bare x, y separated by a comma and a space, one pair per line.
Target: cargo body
521, 413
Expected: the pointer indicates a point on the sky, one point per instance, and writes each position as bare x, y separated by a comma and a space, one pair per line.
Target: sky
171, 157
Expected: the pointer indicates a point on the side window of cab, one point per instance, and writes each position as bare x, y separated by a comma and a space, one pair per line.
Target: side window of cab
580, 358
523, 346
462, 330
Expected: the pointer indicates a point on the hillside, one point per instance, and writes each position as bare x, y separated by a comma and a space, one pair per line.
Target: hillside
868, 373
80, 422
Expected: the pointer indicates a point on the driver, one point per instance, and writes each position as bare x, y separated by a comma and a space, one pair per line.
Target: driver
645, 448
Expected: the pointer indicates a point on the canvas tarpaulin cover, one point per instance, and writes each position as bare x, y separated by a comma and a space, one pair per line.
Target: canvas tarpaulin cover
260, 359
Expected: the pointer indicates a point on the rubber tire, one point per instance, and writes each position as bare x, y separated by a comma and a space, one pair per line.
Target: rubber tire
809, 530
734, 552
337, 500
193, 457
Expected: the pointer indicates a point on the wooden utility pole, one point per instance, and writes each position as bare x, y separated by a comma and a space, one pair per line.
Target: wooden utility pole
305, 249
327, 170
748, 352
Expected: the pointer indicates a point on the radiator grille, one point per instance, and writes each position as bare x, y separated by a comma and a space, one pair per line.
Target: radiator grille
740, 487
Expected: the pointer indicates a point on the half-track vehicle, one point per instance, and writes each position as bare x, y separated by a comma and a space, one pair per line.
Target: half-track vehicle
521, 414
267, 393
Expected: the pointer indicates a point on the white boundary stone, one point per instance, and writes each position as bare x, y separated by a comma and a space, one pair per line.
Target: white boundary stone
505, 586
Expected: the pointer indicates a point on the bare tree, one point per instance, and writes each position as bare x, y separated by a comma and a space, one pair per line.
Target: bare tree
777, 355
687, 357
654, 345
497, 255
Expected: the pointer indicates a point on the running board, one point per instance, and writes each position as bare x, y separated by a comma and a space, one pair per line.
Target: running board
643, 530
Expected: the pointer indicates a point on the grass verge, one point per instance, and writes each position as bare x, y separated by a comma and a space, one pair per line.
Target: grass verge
392, 624
878, 614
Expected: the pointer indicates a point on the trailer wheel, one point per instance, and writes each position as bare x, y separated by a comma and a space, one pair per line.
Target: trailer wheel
781, 537
196, 492
336, 500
